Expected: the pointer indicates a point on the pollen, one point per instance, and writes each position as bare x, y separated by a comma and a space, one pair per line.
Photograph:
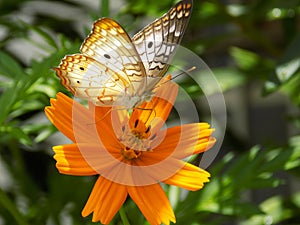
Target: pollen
129, 153
135, 139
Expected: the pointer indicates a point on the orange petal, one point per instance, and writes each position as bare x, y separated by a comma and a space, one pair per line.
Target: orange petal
105, 200
64, 111
189, 177
153, 203
84, 159
159, 106
100, 112
159, 169
69, 160
183, 141
74, 120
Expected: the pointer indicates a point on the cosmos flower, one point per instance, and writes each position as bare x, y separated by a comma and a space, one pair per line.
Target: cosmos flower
131, 152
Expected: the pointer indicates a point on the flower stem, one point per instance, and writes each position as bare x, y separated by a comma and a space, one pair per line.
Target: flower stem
123, 216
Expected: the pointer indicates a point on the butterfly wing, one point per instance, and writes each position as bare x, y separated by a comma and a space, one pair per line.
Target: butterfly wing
111, 64
108, 67
157, 42
110, 44
88, 79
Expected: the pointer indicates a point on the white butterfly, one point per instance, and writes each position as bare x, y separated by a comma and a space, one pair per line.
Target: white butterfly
114, 69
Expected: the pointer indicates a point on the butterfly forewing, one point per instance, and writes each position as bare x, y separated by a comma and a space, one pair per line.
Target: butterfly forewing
157, 42
109, 44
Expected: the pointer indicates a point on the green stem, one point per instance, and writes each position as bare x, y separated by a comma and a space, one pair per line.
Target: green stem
123, 216
11, 208
104, 8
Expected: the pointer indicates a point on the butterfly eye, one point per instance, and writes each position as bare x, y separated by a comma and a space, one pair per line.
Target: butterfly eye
150, 44
107, 56
81, 68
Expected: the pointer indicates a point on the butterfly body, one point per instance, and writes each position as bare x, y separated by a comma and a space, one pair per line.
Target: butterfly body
133, 101
115, 70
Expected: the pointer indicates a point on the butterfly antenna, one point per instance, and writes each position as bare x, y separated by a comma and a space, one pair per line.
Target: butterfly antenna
148, 109
183, 72
174, 77
152, 110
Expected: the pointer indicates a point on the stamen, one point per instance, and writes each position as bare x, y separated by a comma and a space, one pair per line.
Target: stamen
136, 140
130, 154
148, 129
151, 138
136, 123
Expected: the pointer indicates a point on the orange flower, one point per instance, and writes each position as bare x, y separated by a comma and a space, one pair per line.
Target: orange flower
131, 152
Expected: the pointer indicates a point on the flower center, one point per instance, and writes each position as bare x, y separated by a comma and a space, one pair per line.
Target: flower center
129, 153
135, 139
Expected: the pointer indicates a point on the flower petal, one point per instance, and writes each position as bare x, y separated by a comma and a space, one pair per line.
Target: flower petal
69, 160
183, 141
100, 112
65, 114
85, 159
160, 105
189, 177
105, 200
174, 171
76, 121
161, 170
153, 203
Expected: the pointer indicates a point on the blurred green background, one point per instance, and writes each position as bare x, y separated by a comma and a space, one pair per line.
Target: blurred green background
253, 48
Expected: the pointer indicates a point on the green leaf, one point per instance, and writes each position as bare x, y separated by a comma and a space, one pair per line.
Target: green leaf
246, 60
275, 160
229, 78
21, 136
296, 199
290, 62
7, 203
26, 106
44, 131
274, 209
294, 160
10, 67
287, 68
45, 35
7, 100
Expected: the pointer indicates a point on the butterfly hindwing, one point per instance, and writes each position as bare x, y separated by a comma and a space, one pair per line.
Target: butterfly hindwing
88, 79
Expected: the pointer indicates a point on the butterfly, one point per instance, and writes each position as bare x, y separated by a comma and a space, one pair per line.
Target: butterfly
116, 70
